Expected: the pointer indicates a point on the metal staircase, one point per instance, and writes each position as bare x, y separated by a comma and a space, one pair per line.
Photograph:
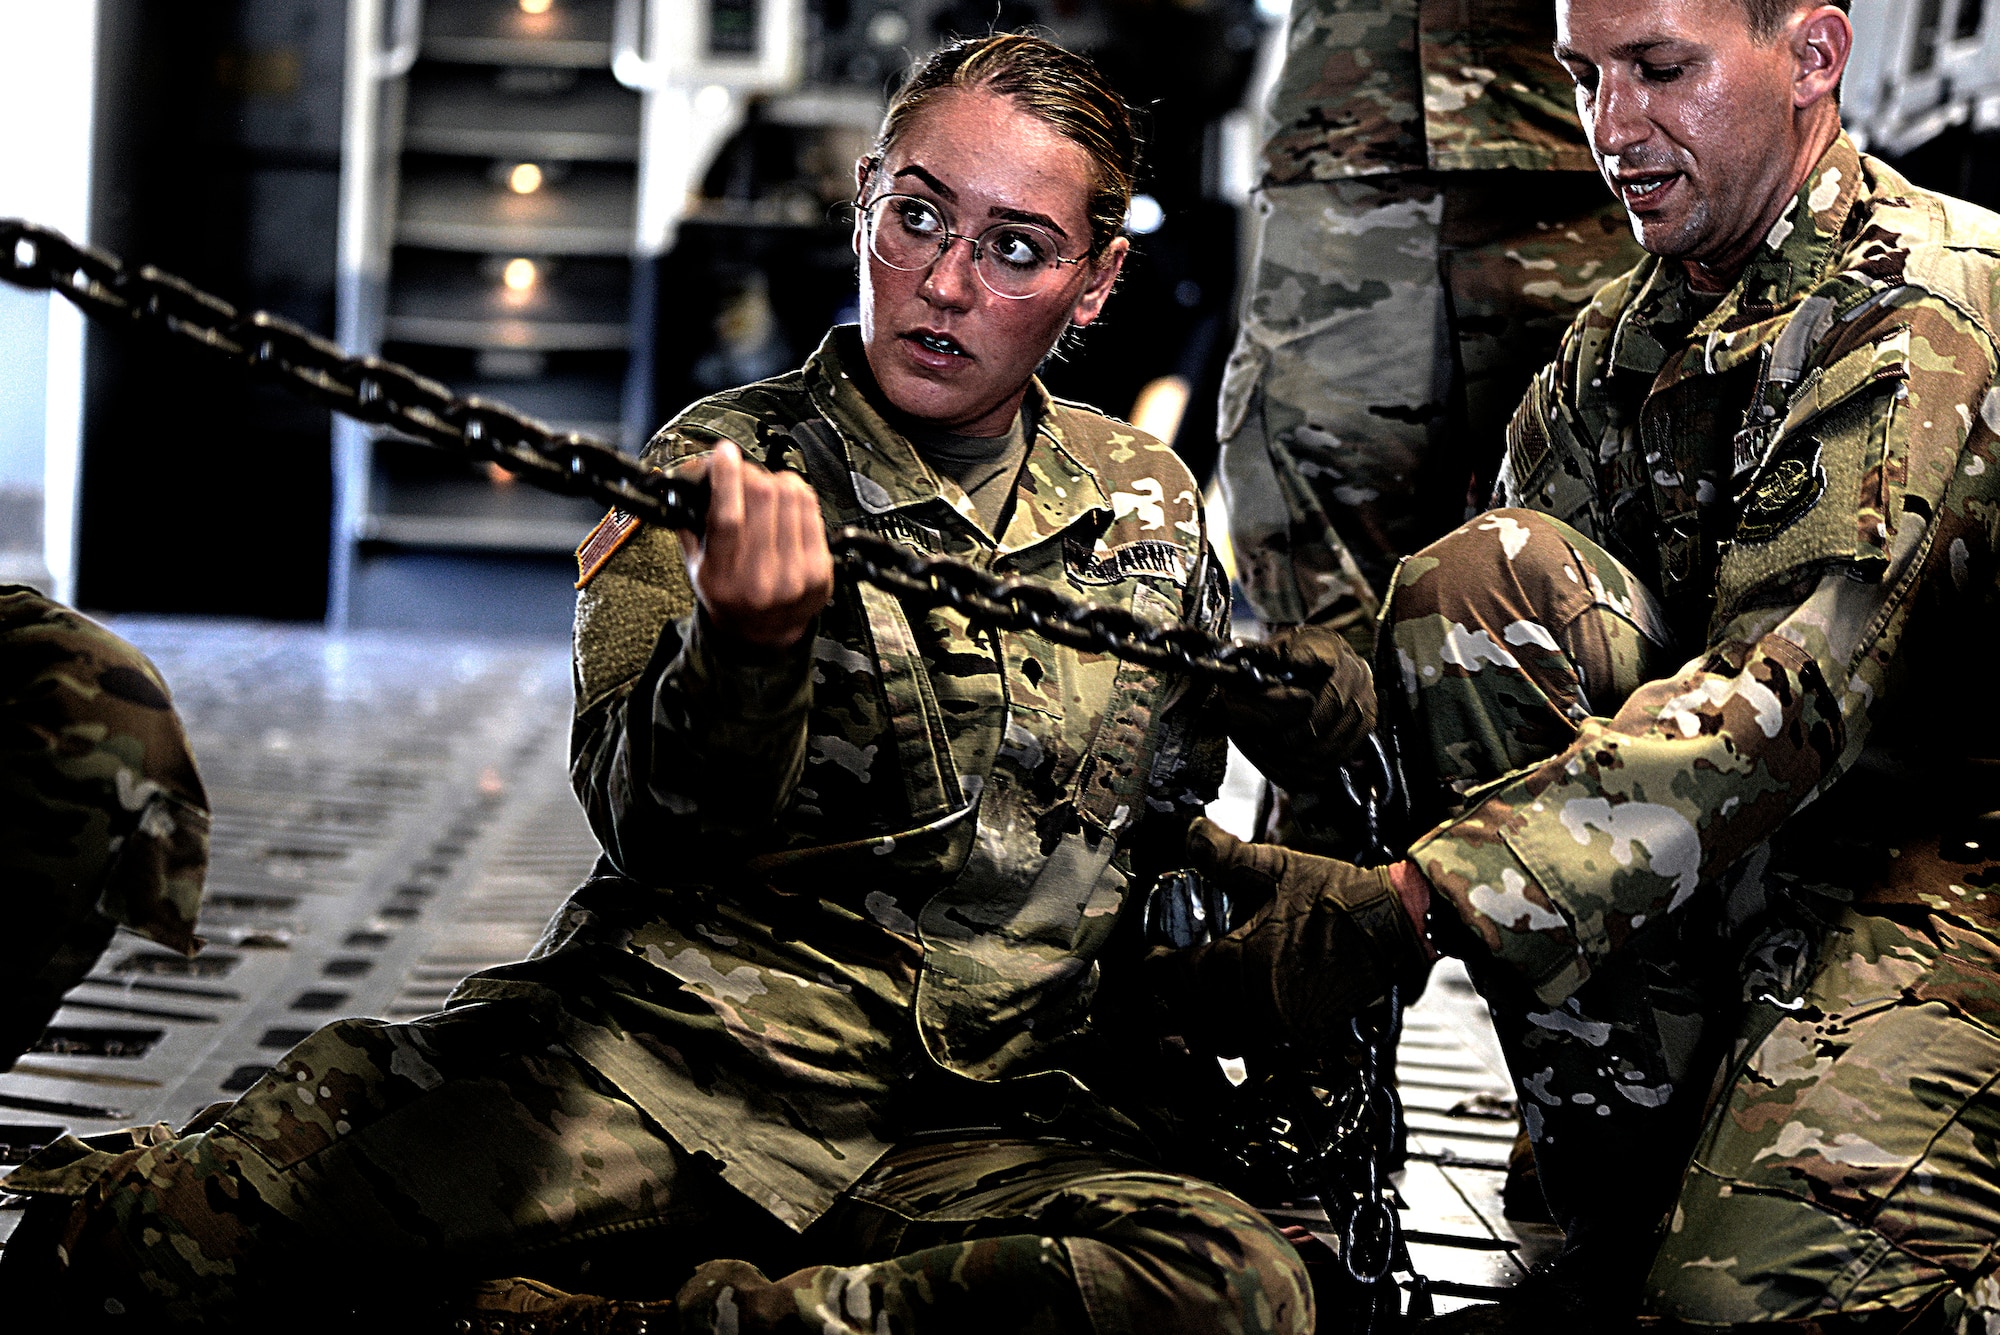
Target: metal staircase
511, 170
490, 205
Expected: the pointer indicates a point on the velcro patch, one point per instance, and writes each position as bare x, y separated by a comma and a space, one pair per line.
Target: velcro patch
900, 528
611, 533
1146, 557
1782, 494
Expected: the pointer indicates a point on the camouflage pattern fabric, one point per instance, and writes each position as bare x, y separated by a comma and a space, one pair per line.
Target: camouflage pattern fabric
1349, 96
1008, 1236
1505, 635
853, 895
1850, 1181
1796, 487
1371, 87
1495, 96
430, 1154
1519, 262
1390, 328
902, 848
419, 1154
1804, 475
1407, 286
103, 821
1342, 315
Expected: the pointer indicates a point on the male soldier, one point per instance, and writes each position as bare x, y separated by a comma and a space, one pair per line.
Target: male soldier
1411, 277
103, 820
1707, 713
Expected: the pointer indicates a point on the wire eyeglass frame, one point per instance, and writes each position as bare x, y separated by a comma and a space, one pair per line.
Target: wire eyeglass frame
873, 214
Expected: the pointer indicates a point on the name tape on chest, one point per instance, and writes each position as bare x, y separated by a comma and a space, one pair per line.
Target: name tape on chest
1148, 557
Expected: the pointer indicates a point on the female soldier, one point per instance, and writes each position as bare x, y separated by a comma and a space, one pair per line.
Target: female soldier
831, 1001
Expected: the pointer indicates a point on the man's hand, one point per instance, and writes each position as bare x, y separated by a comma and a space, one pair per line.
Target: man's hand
1330, 939
1296, 734
762, 569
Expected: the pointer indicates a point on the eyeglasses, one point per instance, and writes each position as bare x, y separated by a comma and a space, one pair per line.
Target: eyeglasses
1015, 260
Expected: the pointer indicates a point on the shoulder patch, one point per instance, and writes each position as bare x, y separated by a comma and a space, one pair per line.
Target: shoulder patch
612, 532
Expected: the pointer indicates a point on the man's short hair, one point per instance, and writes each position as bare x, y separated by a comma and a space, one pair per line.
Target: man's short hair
1767, 17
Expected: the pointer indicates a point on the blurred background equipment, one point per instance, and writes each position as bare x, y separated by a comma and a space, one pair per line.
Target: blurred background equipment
764, 253
214, 147
1924, 91
510, 171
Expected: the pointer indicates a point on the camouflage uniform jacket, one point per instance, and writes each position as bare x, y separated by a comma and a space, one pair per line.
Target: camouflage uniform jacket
1807, 474
863, 889
1376, 86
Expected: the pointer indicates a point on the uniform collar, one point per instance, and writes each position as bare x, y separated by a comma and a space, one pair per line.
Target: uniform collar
1056, 488
1794, 258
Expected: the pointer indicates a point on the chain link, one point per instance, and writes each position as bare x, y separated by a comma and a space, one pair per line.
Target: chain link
1372, 1238
387, 394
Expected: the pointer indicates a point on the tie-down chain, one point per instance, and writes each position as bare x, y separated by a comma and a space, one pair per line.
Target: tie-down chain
384, 393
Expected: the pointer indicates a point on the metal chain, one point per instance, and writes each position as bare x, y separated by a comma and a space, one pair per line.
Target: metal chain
1312, 1126
1020, 604
1372, 1229
387, 394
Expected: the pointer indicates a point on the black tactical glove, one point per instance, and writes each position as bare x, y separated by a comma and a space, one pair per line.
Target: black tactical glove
1329, 940
1296, 734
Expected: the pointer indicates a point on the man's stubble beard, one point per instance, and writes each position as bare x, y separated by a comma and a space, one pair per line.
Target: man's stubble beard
1684, 237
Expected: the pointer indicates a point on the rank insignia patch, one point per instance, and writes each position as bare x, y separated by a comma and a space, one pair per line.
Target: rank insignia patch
611, 533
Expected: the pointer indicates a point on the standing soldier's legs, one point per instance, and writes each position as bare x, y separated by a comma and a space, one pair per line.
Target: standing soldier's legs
1505, 634
1850, 1180
1521, 255
1006, 1236
1338, 372
1391, 326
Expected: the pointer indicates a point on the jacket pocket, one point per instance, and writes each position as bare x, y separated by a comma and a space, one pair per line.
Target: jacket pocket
1824, 492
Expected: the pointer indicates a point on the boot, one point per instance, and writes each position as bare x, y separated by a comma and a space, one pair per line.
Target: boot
530, 1307
1521, 1198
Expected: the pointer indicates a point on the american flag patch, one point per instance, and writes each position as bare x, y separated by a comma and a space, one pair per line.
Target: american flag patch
611, 533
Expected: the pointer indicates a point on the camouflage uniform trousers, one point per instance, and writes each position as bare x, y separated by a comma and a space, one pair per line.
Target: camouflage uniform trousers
1390, 327
1803, 1091
389, 1167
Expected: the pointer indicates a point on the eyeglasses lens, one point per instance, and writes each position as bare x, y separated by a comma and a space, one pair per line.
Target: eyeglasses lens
1011, 259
